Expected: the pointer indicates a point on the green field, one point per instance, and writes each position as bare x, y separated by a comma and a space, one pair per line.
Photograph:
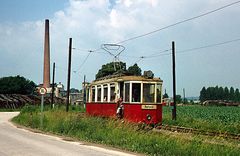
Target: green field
208, 118
124, 135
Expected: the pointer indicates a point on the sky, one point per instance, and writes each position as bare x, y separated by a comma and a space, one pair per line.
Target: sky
93, 23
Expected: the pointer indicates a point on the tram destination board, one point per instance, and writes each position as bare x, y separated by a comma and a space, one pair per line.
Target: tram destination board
149, 107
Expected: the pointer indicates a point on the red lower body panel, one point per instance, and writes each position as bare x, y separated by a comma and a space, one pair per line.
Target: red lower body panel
152, 114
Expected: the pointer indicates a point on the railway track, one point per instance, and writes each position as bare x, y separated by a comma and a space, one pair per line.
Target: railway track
197, 131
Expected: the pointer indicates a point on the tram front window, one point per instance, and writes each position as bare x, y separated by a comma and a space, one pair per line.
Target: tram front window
136, 92
112, 93
105, 93
126, 95
99, 93
148, 92
93, 94
159, 94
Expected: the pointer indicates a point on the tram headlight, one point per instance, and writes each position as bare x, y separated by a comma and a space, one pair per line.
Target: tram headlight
149, 117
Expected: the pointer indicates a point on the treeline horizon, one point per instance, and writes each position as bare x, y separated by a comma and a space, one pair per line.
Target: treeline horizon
219, 93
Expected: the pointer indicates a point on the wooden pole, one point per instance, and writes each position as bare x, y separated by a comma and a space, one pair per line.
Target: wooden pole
174, 110
84, 91
53, 87
69, 73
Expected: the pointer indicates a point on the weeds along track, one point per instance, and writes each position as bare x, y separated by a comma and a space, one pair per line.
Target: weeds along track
198, 131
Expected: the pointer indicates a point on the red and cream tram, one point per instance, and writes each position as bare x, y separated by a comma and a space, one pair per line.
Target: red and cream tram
139, 98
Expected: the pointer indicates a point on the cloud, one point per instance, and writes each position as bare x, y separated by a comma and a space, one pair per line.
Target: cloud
92, 23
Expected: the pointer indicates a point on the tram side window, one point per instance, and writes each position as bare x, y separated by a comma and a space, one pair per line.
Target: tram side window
126, 95
93, 94
112, 93
148, 92
99, 93
136, 92
159, 94
105, 93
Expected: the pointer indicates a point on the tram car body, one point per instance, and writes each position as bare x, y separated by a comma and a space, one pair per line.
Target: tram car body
141, 98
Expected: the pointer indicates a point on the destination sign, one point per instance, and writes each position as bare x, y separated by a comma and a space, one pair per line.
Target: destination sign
149, 107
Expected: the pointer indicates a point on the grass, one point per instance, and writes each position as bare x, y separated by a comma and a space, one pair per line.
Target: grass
211, 118
9, 110
115, 133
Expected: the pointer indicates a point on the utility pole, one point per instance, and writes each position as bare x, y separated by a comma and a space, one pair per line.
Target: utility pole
84, 91
53, 87
183, 95
174, 110
69, 73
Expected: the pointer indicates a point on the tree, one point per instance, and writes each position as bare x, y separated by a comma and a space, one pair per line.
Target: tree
218, 93
226, 94
178, 99
110, 68
203, 94
74, 90
165, 96
134, 70
231, 93
221, 93
237, 96
16, 85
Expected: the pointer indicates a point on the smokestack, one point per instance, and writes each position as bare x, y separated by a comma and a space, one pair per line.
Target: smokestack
46, 67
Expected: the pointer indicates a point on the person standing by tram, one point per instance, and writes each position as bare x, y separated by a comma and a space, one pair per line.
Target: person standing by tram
119, 108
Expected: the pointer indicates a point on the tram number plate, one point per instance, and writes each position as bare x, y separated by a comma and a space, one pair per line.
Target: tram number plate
149, 107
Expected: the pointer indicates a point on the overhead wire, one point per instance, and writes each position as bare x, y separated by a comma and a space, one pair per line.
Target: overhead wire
148, 56
83, 61
210, 45
180, 22
163, 28
87, 50
165, 52
156, 53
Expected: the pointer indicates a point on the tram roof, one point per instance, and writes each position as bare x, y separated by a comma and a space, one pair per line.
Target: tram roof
125, 78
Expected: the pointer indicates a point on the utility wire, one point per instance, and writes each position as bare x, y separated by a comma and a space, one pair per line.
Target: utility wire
180, 22
165, 52
157, 30
177, 23
142, 57
208, 46
84, 61
87, 50
152, 55
157, 54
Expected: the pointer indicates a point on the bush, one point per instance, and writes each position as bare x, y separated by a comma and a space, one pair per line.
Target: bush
29, 109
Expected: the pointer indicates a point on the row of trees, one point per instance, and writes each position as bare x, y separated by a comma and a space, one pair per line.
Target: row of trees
219, 93
16, 85
116, 67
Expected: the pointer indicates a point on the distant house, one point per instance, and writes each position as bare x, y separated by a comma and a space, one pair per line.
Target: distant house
58, 90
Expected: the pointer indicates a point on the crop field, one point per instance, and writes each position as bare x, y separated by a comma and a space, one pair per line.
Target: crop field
208, 118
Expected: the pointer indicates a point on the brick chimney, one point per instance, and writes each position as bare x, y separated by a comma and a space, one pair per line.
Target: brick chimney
46, 65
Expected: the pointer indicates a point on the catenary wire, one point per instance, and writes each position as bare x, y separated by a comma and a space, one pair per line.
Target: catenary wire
187, 50
157, 30
180, 22
209, 46
83, 61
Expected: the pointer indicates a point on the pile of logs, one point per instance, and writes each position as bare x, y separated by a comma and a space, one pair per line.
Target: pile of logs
14, 101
